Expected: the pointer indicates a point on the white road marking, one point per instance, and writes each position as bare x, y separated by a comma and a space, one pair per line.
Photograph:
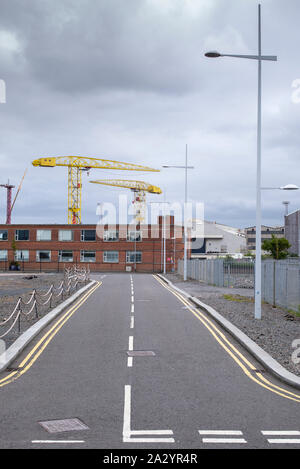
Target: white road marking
220, 432
151, 432
130, 343
223, 433
127, 432
127, 411
148, 440
132, 299
282, 441
131, 322
283, 432
224, 440
132, 308
58, 441
129, 362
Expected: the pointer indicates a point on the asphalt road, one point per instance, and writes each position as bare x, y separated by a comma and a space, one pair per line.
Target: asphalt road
190, 387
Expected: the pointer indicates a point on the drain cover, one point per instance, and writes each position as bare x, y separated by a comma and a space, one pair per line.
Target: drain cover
66, 425
141, 353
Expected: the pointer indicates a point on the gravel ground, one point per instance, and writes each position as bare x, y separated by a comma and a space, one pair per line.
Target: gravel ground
18, 285
274, 333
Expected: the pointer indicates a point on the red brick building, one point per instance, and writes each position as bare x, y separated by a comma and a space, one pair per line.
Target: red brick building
103, 248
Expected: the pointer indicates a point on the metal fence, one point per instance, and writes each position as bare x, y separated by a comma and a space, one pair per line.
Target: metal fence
281, 283
280, 279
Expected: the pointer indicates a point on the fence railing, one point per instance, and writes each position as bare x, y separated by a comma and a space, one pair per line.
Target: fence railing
73, 277
280, 278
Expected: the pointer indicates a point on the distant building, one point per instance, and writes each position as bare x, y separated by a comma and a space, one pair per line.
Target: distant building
292, 228
217, 239
266, 233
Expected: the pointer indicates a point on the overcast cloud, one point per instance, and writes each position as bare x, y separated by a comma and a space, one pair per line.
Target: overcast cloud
128, 80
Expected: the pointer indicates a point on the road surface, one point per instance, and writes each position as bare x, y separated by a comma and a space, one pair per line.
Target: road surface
140, 367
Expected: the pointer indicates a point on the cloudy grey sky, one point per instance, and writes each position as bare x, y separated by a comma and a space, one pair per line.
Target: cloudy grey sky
128, 80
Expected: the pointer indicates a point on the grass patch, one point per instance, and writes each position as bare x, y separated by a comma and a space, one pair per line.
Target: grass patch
238, 298
294, 313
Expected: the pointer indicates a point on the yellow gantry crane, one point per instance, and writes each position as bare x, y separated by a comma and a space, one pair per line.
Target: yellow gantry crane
77, 164
139, 189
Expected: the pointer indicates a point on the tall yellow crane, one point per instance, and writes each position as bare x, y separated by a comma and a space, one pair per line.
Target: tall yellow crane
77, 164
139, 189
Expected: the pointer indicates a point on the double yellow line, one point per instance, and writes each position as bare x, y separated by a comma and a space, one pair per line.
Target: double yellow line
248, 368
36, 351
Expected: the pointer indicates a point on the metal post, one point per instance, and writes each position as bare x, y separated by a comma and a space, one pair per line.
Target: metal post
164, 234
135, 250
174, 252
185, 228
20, 312
258, 184
36, 308
274, 283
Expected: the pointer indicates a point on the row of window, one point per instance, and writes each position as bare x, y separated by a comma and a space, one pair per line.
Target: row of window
68, 235
67, 256
267, 231
253, 240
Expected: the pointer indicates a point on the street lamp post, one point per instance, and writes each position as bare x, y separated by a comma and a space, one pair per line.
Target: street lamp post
186, 167
259, 58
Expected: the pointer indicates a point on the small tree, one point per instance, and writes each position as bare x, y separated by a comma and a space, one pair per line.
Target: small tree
14, 249
278, 247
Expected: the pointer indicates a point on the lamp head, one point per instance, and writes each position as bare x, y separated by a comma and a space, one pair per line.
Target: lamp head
212, 54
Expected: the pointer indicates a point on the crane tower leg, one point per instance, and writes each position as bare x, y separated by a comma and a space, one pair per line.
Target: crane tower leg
74, 195
140, 206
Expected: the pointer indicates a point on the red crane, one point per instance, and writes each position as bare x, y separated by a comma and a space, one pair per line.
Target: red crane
9, 188
9, 205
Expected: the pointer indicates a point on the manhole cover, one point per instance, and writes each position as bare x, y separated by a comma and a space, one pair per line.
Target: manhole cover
66, 425
140, 353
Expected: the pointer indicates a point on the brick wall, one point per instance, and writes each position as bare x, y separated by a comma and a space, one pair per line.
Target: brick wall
150, 247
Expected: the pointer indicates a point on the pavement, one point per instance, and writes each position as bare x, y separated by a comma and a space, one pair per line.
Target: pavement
191, 385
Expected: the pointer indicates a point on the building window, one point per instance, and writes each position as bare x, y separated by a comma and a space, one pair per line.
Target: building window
87, 256
133, 256
3, 255
22, 235
110, 235
43, 235
88, 235
65, 235
65, 256
3, 235
43, 256
22, 255
134, 236
111, 256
